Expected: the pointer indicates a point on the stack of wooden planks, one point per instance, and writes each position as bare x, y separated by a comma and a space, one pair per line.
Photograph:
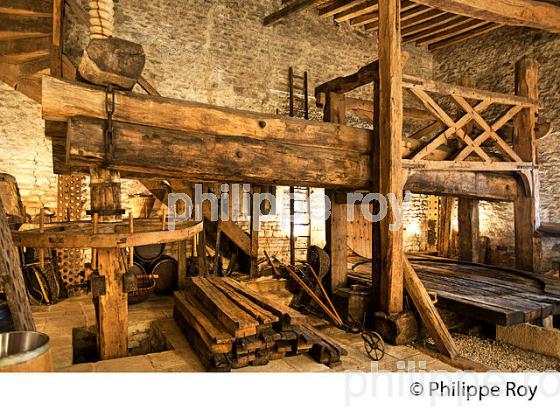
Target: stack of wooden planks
232, 326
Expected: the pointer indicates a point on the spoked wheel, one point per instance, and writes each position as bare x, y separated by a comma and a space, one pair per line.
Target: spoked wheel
374, 345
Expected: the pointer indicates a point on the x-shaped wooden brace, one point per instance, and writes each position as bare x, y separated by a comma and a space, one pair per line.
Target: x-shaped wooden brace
489, 131
454, 127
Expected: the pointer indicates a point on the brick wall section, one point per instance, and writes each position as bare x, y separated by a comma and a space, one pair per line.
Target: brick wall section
491, 60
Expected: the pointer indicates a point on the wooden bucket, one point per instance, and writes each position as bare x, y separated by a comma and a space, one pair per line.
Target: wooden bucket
166, 270
25, 352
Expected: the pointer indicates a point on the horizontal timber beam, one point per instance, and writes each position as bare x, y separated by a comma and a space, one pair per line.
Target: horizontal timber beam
368, 74
467, 184
528, 13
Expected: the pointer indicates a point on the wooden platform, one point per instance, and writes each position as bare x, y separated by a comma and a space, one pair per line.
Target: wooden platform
492, 294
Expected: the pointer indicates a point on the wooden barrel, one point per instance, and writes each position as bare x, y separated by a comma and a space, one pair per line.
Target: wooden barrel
144, 283
166, 270
25, 352
149, 253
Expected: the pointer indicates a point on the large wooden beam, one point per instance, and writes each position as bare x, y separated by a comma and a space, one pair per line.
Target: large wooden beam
428, 312
528, 13
336, 225
525, 208
388, 175
482, 185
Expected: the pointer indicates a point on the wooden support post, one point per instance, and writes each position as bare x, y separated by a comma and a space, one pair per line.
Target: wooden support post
525, 207
11, 278
468, 239
388, 173
444, 225
57, 35
254, 230
182, 265
337, 224
112, 306
468, 212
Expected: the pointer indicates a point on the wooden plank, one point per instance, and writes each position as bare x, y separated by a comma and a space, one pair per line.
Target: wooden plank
388, 159
257, 312
467, 166
445, 22
11, 278
466, 26
528, 13
336, 225
214, 335
234, 319
338, 7
429, 314
291, 316
368, 7
525, 210
40, 6
26, 22
291, 8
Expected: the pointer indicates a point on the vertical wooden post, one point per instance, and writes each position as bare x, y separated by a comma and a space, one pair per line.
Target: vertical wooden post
112, 307
468, 212
525, 208
337, 224
57, 38
444, 225
11, 278
468, 238
254, 230
388, 160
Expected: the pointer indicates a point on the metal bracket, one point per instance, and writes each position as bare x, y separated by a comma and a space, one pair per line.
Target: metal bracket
109, 109
98, 287
129, 282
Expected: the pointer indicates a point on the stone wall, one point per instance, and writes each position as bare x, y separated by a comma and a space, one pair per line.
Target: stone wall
491, 60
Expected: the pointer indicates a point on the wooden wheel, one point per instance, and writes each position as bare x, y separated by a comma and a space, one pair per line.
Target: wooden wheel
374, 345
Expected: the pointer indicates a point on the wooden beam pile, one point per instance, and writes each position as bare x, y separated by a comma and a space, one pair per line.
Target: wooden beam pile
231, 326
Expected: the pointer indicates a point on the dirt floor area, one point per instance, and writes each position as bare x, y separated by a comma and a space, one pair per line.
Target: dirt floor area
153, 320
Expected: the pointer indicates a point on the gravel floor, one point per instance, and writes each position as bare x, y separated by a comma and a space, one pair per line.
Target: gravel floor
503, 357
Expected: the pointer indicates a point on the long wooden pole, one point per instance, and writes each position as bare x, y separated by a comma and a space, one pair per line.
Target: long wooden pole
388, 173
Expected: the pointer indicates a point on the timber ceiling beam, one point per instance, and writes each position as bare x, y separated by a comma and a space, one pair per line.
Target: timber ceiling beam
528, 13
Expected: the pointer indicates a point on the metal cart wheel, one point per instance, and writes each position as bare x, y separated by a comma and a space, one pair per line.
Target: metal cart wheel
374, 345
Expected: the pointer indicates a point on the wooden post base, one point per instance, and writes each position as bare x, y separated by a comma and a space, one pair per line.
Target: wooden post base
112, 308
397, 328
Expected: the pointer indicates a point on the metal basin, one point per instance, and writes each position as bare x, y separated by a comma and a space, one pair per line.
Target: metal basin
17, 348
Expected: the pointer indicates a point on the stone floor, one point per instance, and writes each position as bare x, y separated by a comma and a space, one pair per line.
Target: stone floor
156, 313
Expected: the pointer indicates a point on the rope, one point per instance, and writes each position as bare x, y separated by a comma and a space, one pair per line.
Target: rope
101, 18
